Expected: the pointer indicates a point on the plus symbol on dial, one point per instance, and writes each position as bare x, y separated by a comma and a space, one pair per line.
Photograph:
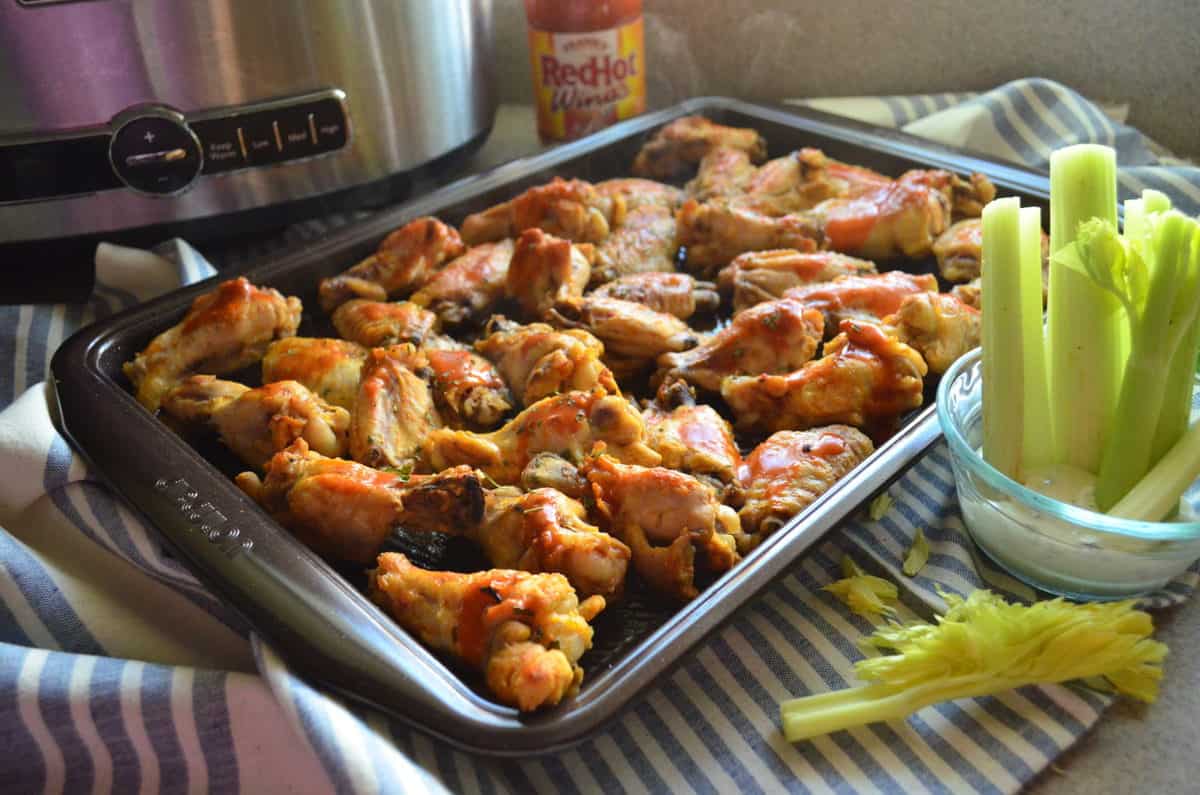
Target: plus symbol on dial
149, 136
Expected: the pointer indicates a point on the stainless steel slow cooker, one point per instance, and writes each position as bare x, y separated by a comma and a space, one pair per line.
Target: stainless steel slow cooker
123, 114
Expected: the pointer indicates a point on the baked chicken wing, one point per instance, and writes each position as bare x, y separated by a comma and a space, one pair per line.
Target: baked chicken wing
469, 286
345, 510
538, 361
223, 331
758, 276
375, 324
723, 172
644, 242
403, 262
938, 326
257, 423
676, 147
394, 411
633, 335
638, 193
691, 437
869, 298
790, 470
714, 232
573, 209
665, 517
569, 424
467, 388
524, 632
865, 378
546, 531
676, 294
774, 337
546, 269
899, 219
330, 368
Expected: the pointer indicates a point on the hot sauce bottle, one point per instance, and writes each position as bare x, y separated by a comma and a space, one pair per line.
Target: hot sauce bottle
589, 64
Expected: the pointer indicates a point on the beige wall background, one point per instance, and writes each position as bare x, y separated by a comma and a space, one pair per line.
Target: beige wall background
1146, 54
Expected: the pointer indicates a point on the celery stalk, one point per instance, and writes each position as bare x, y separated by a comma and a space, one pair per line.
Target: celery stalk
1037, 446
984, 645
1003, 356
1083, 333
1177, 402
1157, 495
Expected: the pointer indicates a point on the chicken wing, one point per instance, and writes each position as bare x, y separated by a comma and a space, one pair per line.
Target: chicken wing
645, 241
394, 411
573, 209
345, 510
330, 368
758, 276
546, 531
403, 262
469, 286
633, 335
715, 232
676, 294
691, 437
257, 423
865, 378
467, 388
868, 298
665, 517
900, 218
790, 470
723, 172
524, 632
677, 146
538, 361
774, 337
223, 331
638, 193
375, 324
971, 293
938, 326
546, 269
569, 425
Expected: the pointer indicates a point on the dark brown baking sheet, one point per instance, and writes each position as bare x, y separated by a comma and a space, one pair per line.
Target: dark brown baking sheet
316, 616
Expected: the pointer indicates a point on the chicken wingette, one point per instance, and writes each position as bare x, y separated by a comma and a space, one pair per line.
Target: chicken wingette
758, 276
524, 632
678, 146
404, 261
538, 360
225, 330
569, 424
865, 378
572, 209
469, 286
676, 294
330, 368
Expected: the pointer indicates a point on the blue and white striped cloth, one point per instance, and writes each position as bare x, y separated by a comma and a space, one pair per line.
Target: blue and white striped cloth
120, 672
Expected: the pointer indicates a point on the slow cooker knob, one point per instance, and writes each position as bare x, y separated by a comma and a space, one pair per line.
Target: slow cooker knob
153, 151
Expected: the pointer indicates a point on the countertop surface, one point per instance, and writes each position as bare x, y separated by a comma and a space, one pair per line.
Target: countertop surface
1134, 748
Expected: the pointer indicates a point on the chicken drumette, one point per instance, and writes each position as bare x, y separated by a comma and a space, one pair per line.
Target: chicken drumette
223, 331
665, 517
257, 423
404, 261
790, 470
939, 326
865, 378
569, 424
524, 632
573, 209
773, 337
546, 269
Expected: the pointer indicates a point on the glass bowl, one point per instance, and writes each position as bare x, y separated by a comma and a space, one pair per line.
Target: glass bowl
1049, 544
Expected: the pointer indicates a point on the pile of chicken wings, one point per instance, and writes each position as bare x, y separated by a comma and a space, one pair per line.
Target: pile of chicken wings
594, 383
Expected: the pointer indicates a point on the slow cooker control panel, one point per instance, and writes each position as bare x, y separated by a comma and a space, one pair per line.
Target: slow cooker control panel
158, 151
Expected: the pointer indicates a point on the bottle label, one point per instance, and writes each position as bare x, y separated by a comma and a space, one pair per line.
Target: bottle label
586, 81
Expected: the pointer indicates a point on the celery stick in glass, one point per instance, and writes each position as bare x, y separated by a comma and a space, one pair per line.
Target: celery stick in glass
1003, 356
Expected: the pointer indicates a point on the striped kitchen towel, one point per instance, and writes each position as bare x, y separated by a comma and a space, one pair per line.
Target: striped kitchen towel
120, 672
